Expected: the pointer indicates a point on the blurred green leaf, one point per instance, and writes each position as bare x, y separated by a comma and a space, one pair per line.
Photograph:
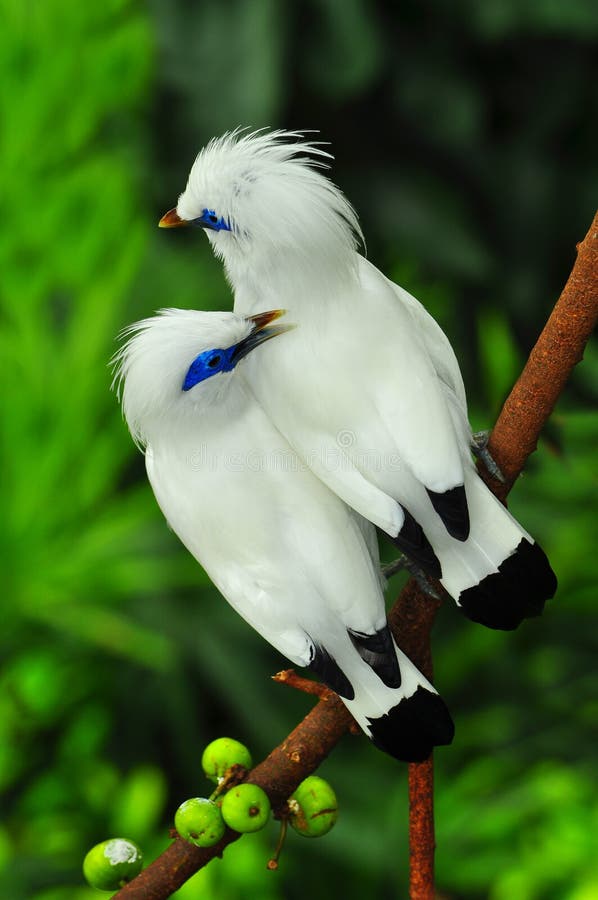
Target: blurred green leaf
347, 49
500, 360
139, 803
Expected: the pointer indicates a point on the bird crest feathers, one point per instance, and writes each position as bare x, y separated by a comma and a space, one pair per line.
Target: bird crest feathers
150, 366
270, 186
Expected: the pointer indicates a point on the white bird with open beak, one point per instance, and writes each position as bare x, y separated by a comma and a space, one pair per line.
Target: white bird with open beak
293, 560
369, 378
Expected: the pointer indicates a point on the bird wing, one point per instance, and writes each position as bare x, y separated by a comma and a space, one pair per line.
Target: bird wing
267, 607
338, 471
282, 549
316, 583
407, 383
443, 359
436, 342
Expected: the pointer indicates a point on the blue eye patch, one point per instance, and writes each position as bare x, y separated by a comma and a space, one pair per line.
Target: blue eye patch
209, 363
211, 221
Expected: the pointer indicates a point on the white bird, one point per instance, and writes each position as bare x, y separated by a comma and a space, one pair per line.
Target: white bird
368, 390
294, 561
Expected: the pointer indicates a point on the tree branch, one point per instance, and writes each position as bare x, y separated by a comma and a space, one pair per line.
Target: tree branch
290, 678
556, 353
411, 620
515, 435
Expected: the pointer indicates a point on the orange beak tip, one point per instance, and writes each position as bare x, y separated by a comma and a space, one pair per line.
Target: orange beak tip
171, 219
262, 319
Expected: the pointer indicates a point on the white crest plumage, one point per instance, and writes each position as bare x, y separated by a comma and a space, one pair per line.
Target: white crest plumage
271, 186
150, 366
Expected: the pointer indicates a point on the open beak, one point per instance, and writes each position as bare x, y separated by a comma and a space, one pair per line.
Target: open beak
262, 331
171, 219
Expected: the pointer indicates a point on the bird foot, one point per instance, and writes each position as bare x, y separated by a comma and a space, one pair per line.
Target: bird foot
479, 448
394, 567
403, 563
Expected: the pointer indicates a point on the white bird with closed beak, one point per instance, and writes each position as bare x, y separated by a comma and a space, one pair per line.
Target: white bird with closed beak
368, 390
293, 560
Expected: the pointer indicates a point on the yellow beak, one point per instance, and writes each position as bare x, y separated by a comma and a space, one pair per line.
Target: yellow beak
171, 219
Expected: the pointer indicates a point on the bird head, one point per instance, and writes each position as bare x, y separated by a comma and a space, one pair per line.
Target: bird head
263, 201
180, 362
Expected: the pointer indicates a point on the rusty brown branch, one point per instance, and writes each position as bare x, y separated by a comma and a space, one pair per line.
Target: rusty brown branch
556, 353
422, 842
514, 437
315, 688
412, 618
558, 350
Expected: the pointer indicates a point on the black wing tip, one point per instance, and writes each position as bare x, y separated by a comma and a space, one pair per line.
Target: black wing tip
452, 508
326, 668
378, 651
518, 591
412, 541
411, 729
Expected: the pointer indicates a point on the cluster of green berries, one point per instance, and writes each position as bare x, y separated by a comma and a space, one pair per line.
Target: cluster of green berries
245, 808
312, 811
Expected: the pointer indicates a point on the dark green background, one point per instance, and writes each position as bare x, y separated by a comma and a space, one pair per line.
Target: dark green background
464, 133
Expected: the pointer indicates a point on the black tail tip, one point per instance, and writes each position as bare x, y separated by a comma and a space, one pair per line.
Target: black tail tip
411, 729
518, 591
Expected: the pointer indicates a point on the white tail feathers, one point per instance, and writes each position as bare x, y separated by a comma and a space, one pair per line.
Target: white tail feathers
499, 575
390, 699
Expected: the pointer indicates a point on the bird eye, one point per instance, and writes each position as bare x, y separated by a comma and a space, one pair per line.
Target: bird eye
211, 220
214, 361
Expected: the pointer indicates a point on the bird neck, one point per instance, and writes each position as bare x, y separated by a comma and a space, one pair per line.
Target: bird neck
206, 409
285, 277
219, 437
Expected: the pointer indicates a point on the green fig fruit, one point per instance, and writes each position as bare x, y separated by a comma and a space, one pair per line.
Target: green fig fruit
199, 821
314, 807
223, 753
112, 864
245, 808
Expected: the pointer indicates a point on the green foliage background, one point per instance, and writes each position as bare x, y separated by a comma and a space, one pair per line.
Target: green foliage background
465, 135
